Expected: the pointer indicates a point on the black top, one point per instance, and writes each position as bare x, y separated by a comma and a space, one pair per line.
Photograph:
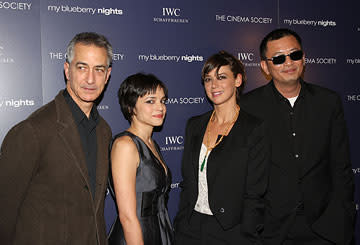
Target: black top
87, 131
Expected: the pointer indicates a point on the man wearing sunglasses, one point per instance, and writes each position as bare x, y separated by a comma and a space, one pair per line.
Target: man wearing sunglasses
310, 191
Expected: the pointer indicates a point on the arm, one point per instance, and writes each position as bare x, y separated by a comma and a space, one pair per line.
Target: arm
124, 163
18, 163
256, 183
343, 177
340, 156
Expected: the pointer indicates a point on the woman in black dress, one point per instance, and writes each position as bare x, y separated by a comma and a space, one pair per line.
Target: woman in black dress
224, 164
139, 178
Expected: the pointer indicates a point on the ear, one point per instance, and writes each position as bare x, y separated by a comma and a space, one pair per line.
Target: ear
66, 69
303, 59
238, 80
264, 67
108, 75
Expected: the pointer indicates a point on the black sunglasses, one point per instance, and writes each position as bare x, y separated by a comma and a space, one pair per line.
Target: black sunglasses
278, 60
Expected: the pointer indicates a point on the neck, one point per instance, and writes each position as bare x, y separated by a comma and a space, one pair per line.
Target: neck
84, 106
143, 132
225, 114
86, 110
288, 90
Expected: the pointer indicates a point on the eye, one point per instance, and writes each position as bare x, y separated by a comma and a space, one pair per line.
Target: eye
150, 101
221, 77
163, 101
100, 69
207, 79
81, 67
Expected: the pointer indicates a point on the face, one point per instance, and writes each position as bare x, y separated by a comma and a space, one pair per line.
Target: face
87, 74
290, 71
150, 110
221, 88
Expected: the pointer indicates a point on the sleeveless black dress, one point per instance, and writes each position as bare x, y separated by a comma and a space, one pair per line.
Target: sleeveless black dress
152, 188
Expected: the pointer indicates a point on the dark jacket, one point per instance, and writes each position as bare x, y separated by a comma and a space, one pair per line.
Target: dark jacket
236, 174
45, 195
319, 175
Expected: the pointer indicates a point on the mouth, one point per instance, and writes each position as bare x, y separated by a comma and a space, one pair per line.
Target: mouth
215, 94
290, 71
90, 90
159, 116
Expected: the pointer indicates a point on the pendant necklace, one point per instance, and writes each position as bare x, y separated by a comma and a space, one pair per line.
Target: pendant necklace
208, 149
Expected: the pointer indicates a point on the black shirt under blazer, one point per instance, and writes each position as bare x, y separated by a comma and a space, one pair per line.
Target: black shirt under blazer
320, 176
236, 174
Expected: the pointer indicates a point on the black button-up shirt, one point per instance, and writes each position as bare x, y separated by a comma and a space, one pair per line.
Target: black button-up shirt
310, 169
87, 131
287, 126
294, 118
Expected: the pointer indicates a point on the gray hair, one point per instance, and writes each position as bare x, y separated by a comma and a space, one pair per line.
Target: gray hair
89, 38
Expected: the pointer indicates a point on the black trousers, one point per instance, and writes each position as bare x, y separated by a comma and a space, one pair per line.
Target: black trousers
204, 229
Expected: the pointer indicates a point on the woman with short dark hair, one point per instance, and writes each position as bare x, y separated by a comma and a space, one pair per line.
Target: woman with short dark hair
139, 178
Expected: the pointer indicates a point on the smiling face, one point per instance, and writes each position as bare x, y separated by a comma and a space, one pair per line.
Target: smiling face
220, 87
290, 71
150, 109
87, 74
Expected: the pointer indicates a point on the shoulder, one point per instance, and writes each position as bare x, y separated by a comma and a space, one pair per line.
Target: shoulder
249, 116
195, 120
255, 93
103, 125
257, 99
318, 90
44, 114
323, 98
123, 144
38, 119
31, 129
124, 153
249, 121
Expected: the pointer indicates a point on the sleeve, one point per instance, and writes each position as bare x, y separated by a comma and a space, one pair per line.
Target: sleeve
256, 184
18, 158
343, 176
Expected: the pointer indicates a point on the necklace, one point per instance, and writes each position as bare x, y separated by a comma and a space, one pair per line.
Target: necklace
208, 149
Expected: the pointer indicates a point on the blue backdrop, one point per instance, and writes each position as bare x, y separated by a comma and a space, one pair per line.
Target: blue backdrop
172, 39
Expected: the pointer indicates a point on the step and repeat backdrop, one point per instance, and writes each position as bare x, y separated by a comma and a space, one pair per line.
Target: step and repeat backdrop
172, 39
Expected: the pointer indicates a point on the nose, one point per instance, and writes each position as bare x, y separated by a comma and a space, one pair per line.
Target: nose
214, 83
161, 107
288, 60
91, 76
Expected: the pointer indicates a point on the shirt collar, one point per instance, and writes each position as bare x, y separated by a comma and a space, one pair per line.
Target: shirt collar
77, 113
303, 90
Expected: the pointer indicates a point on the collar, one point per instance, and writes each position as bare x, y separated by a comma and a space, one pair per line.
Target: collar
78, 114
303, 90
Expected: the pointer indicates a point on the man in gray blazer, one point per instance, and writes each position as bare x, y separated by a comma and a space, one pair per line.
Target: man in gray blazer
54, 164
309, 200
